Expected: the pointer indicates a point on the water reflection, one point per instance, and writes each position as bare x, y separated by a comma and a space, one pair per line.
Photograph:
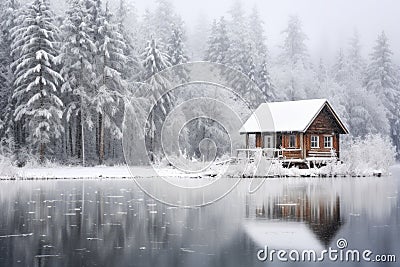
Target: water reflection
320, 213
112, 223
300, 217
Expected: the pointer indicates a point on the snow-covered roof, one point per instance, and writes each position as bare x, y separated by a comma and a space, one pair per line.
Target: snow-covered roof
288, 116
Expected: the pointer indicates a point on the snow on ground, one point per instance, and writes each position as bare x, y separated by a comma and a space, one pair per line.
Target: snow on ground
63, 172
259, 169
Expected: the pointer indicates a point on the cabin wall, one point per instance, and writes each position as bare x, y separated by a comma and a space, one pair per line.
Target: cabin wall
292, 152
259, 140
324, 124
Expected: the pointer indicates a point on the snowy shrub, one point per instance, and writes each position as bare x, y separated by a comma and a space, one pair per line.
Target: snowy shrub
6, 167
363, 156
34, 161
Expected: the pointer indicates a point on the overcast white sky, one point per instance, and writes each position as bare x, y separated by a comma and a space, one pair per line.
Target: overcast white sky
329, 24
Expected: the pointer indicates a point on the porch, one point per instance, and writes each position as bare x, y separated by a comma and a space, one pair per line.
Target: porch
286, 157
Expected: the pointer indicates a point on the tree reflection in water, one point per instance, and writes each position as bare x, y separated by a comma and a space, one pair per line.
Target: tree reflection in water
112, 223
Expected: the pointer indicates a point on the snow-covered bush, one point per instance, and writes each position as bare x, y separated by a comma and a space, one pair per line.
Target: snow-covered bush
7, 169
367, 155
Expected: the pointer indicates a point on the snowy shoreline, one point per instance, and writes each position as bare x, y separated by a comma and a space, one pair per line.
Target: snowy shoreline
122, 172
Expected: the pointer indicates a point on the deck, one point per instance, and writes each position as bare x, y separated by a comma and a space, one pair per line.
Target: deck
288, 155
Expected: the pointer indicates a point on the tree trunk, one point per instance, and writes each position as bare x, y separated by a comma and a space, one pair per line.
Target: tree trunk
71, 143
78, 138
41, 152
83, 142
101, 139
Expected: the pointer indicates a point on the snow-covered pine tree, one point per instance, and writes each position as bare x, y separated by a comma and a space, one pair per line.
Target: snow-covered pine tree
265, 82
328, 88
110, 85
146, 29
9, 10
257, 37
177, 54
126, 19
37, 80
340, 68
218, 43
163, 20
78, 51
362, 116
356, 62
7, 16
176, 48
294, 74
239, 38
154, 61
382, 79
251, 90
294, 48
95, 18
251, 70
197, 41
322, 72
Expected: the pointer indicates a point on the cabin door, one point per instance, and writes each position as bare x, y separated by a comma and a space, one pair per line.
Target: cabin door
268, 141
258, 140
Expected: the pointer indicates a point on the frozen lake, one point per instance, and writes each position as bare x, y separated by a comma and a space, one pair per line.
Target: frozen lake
111, 222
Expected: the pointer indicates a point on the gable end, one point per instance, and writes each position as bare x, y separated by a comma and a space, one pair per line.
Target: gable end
326, 121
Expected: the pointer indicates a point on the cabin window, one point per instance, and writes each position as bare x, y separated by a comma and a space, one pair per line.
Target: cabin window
292, 140
314, 141
328, 141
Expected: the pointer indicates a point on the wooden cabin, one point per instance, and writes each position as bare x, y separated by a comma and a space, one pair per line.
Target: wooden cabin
296, 131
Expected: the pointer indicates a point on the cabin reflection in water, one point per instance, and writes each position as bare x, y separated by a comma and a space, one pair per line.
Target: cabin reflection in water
320, 213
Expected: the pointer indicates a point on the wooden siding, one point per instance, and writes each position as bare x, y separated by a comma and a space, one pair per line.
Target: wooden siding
259, 142
293, 154
325, 124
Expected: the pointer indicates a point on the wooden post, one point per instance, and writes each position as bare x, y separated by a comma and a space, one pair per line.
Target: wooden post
302, 145
247, 145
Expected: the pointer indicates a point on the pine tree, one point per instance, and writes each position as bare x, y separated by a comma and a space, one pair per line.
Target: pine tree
294, 48
257, 37
322, 73
355, 60
252, 70
177, 55
239, 38
126, 19
37, 83
363, 117
77, 54
294, 74
341, 68
197, 41
9, 10
265, 83
163, 20
218, 43
110, 84
154, 62
382, 80
176, 48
